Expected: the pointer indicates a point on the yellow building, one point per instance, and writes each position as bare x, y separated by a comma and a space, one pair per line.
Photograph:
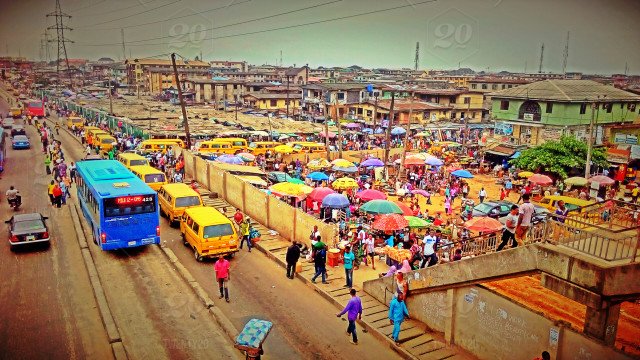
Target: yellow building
421, 112
155, 75
272, 101
463, 104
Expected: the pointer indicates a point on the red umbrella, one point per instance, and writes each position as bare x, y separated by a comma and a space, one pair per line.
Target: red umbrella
540, 179
603, 180
388, 222
411, 161
319, 193
405, 209
484, 224
370, 194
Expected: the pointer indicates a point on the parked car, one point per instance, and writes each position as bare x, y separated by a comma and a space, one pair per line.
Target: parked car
20, 142
494, 209
541, 215
27, 229
18, 130
276, 177
7, 123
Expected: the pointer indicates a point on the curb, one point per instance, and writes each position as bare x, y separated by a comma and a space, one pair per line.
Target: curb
113, 333
370, 329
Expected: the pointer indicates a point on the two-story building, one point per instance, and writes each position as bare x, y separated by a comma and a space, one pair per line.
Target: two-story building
544, 110
273, 101
156, 75
461, 104
422, 112
336, 97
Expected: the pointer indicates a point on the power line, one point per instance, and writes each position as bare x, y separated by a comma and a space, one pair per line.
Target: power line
130, 16
88, 6
121, 9
285, 27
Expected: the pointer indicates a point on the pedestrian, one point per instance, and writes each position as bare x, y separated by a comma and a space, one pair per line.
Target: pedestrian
397, 313
560, 215
634, 194
72, 171
503, 193
237, 217
369, 248
222, 275
545, 356
50, 192
429, 257
57, 195
245, 227
348, 260
482, 195
293, 254
354, 312
524, 220
509, 231
447, 205
47, 163
64, 190
320, 261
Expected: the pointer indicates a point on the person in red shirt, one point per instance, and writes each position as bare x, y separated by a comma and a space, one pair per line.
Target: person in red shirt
238, 217
222, 276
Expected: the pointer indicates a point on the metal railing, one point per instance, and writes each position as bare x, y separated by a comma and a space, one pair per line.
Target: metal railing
615, 215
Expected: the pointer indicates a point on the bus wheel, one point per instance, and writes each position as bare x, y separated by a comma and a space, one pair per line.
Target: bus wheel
197, 256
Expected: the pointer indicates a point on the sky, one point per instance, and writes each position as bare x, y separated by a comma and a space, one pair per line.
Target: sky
489, 35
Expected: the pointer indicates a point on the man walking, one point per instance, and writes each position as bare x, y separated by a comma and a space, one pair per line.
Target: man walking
245, 230
482, 195
222, 275
524, 220
428, 253
348, 257
397, 313
509, 232
354, 312
320, 260
293, 254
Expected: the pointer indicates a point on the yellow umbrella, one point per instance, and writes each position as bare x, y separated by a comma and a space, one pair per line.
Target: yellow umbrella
290, 189
283, 149
345, 183
342, 163
317, 164
525, 174
422, 156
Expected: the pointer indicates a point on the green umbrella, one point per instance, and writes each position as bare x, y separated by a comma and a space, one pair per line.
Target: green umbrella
416, 222
294, 180
381, 207
576, 181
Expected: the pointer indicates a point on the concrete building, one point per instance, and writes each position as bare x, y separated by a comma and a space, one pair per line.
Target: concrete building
335, 97
260, 101
156, 75
224, 66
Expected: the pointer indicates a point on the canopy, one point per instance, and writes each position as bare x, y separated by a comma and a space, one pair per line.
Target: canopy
420, 192
372, 163
369, 194
345, 183
462, 174
603, 180
349, 169
294, 180
317, 164
389, 222
406, 210
289, 189
230, 159
380, 207
317, 176
331, 134
247, 157
540, 179
335, 201
525, 174
433, 161
416, 222
352, 125
398, 131
484, 224
412, 161
319, 193
576, 180
342, 163
283, 149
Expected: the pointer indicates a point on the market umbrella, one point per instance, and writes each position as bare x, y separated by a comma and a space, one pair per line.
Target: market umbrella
380, 207
247, 157
372, 163
283, 149
335, 201
422, 134
342, 163
420, 192
389, 222
294, 180
405, 209
367, 131
230, 159
576, 181
331, 134
398, 131
542, 180
433, 161
416, 222
465, 174
317, 164
317, 176
352, 125
289, 189
345, 183
603, 180
484, 224
525, 174
349, 169
412, 161
319, 193
370, 194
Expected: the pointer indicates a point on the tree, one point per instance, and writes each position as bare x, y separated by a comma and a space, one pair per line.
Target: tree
559, 157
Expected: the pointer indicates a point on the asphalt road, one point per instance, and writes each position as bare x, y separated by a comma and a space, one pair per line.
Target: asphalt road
305, 324
47, 305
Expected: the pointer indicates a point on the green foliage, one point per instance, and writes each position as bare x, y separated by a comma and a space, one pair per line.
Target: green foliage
559, 157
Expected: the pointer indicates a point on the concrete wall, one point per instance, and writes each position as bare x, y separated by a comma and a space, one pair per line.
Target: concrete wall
256, 204
234, 191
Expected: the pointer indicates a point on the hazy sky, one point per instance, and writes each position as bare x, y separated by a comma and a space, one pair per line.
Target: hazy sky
481, 34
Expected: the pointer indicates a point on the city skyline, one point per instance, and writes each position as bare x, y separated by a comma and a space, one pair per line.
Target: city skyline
482, 35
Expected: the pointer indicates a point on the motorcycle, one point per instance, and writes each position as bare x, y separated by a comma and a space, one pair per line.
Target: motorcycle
15, 202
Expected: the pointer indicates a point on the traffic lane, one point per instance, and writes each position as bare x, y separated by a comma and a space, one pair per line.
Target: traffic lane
305, 324
45, 292
158, 315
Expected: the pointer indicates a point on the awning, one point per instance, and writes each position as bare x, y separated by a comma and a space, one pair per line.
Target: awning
502, 151
618, 156
254, 180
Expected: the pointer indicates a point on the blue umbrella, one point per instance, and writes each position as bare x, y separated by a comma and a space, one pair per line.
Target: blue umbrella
317, 176
398, 131
462, 174
379, 130
372, 163
515, 155
336, 201
367, 131
433, 161
230, 159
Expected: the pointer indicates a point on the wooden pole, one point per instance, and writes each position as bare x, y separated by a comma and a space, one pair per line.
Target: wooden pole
388, 135
339, 142
406, 135
326, 126
185, 121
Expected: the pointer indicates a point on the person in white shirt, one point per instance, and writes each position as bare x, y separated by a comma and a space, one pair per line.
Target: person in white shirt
482, 195
509, 232
429, 257
369, 250
524, 220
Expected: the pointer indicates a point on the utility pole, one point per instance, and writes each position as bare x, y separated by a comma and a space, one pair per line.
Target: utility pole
184, 111
60, 27
287, 97
565, 55
417, 58
110, 92
388, 135
541, 58
587, 168
466, 122
375, 113
339, 130
124, 50
406, 135
326, 126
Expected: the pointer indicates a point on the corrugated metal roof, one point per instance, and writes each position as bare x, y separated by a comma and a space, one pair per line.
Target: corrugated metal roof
566, 91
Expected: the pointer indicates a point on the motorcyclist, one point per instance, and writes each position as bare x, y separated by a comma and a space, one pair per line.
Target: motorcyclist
13, 195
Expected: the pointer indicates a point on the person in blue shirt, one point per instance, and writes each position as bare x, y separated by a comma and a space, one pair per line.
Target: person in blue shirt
397, 313
353, 311
348, 259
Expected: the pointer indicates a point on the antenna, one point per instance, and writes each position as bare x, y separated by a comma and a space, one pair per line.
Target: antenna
417, 58
525, 67
60, 27
565, 55
626, 68
280, 58
124, 50
541, 58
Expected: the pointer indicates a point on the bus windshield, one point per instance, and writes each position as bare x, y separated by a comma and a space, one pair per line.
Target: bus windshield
138, 162
213, 231
129, 205
187, 201
154, 178
35, 104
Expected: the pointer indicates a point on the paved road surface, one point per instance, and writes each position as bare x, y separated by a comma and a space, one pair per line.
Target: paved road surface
48, 309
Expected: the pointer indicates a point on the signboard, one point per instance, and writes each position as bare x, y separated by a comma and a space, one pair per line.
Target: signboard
528, 117
593, 192
551, 133
635, 151
502, 128
620, 138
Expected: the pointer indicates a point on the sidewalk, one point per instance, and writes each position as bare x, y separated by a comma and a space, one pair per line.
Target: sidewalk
416, 341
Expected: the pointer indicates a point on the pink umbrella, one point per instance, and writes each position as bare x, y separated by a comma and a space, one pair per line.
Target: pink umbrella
603, 180
370, 194
331, 134
319, 193
540, 179
420, 192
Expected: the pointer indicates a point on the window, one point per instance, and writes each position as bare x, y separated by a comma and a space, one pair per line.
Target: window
195, 227
214, 231
509, 86
494, 86
187, 201
607, 107
273, 103
484, 86
504, 105
549, 109
474, 86
467, 100
631, 107
583, 108
473, 115
503, 86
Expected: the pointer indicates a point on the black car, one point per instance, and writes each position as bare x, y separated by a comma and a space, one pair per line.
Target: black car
17, 130
27, 229
493, 209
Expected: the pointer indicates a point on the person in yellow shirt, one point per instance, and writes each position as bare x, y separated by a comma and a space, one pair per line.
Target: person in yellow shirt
50, 192
634, 194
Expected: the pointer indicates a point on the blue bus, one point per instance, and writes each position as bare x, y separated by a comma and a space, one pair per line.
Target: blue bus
121, 209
